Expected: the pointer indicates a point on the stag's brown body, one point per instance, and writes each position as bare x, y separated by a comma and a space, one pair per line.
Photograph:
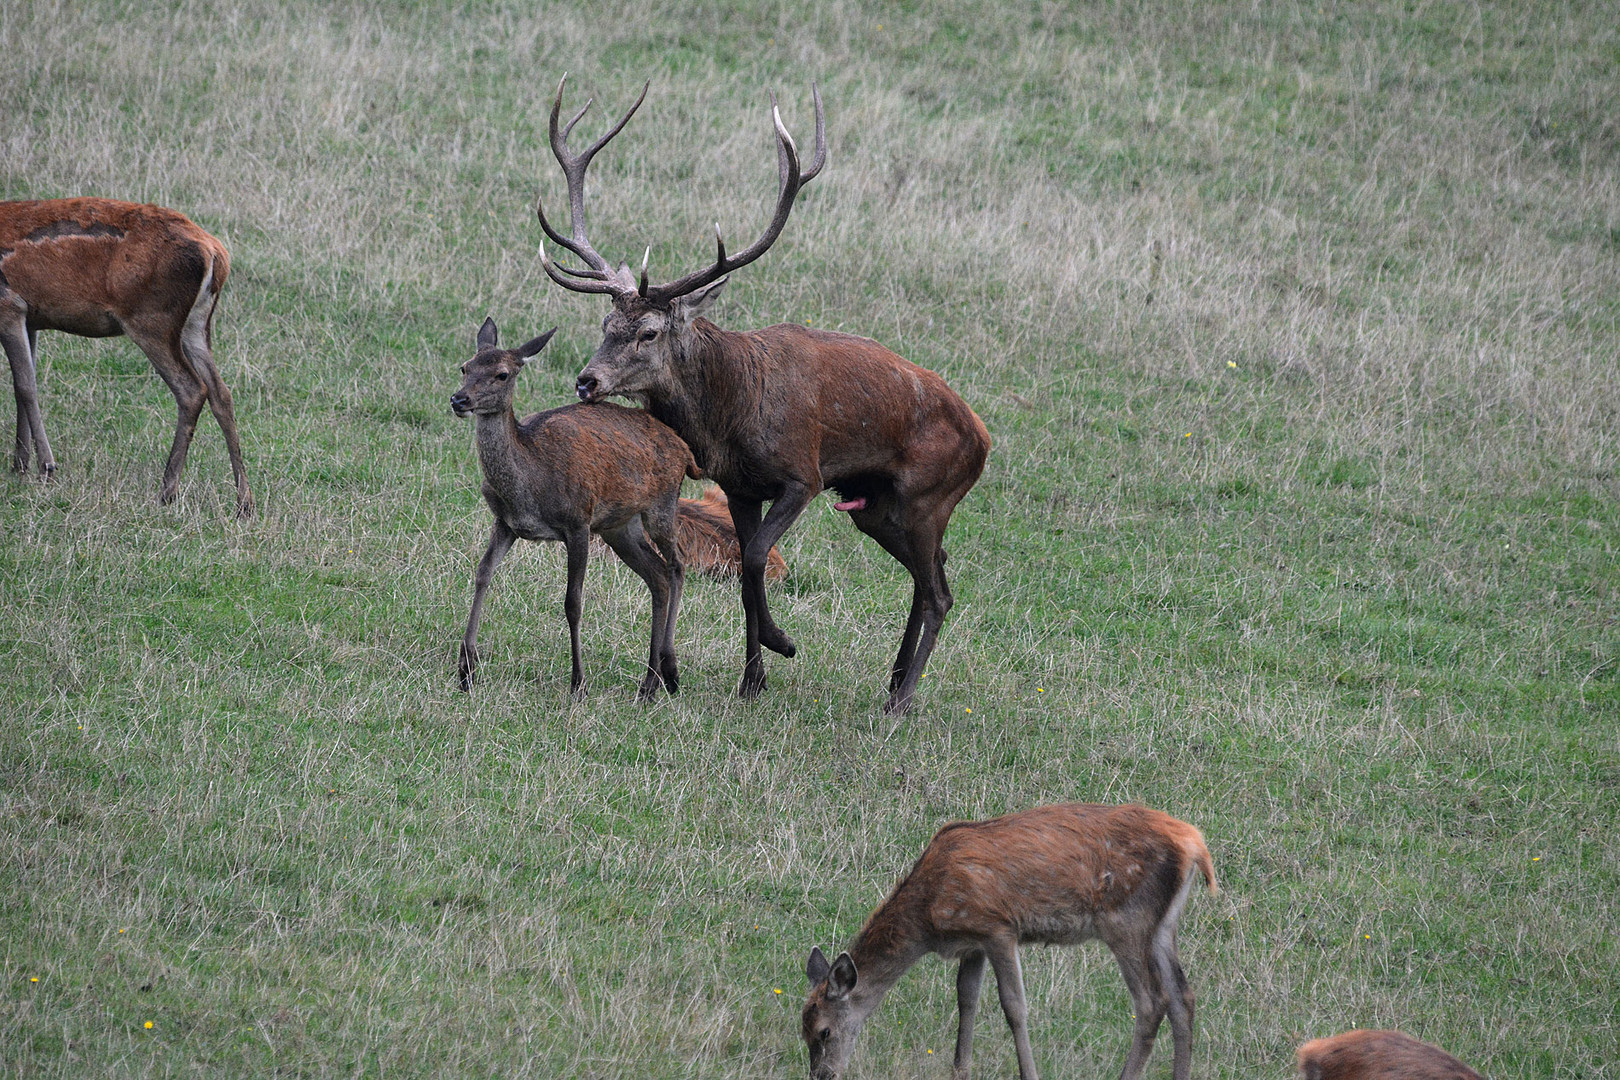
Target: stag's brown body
99, 268
1378, 1055
565, 474
781, 414
1055, 875
708, 542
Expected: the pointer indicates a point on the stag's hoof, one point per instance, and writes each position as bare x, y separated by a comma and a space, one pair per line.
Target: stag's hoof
897, 704
244, 508
778, 642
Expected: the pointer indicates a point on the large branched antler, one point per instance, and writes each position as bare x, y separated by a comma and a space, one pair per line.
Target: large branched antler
790, 180
600, 276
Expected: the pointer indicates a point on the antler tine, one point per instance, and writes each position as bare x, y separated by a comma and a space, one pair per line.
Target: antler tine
574, 167
585, 281
790, 178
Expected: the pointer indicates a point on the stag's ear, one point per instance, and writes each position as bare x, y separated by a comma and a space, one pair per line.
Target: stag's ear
698, 302
841, 979
488, 334
529, 348
816, 968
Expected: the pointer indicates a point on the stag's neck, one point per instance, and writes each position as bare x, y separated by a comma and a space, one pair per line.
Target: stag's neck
717, 380
499, 448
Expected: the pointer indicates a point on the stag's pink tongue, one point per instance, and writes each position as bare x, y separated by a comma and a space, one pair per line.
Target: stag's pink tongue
853, 504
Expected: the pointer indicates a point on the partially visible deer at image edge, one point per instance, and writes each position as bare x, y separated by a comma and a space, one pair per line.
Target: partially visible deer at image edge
1055, 875
1378, 1055
565, 474
100, 268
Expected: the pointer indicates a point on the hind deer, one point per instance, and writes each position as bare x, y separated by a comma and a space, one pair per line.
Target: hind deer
100, 268
1057, 875
565, 474
778, 415
1378, 1055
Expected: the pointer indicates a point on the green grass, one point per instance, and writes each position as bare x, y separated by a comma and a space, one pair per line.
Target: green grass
1303, 529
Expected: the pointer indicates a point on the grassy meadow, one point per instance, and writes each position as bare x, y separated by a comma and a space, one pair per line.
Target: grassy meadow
1296, 334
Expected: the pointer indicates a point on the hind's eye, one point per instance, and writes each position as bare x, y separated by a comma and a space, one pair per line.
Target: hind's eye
825, 1034
502, 377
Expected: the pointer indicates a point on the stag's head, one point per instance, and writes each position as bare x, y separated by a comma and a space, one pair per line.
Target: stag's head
830, 1021
645, 336
491, 375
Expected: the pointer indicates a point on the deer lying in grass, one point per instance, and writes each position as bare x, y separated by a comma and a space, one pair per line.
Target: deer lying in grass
707, 542
1057, 875
782, 414
568, 473
100, 268
1378, 1055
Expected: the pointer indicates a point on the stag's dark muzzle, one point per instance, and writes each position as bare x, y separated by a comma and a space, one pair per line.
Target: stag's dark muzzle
586, 387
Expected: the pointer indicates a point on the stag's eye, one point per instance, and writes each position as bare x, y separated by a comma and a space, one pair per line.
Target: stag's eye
648, 335
502, 376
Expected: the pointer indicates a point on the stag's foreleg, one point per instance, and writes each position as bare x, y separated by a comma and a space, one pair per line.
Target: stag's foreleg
756, 538
19, 344
500, 542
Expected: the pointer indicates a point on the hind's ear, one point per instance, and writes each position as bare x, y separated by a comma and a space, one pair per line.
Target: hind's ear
816, 968
529, 348
488, 335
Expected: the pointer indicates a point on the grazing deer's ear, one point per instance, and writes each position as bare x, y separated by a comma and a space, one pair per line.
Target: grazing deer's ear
816, 968
696, 303
488, 334
529, 348
841, 979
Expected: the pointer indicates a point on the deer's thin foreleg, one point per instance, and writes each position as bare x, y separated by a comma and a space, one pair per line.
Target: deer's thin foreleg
578, 543
761, 536
500, 542
969, 985
18, 342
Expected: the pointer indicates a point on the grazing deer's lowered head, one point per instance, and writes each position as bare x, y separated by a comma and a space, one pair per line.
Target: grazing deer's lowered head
1055, 874
781, 414
568, 473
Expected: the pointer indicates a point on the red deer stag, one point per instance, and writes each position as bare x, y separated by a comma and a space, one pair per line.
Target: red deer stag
1057, 875
782, 413
1378, 1055
100, 268
565, 474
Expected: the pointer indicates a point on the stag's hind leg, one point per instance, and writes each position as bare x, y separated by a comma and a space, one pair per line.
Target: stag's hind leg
916, 546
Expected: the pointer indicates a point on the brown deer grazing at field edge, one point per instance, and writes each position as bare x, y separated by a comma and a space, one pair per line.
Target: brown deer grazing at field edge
99, 268
565, 474
781, 414
1378, 1055
1055, 874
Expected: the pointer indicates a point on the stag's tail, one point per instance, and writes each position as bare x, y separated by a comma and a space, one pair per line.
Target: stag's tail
708, 542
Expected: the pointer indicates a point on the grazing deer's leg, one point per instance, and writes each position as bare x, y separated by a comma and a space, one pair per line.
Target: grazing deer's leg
630, 544
19, 344
500, 542
1177, 992
197, 345
1147, 998
969, 983
578, 544
1010, 988
162, 348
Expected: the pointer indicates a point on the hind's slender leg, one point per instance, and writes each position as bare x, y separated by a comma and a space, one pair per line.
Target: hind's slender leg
197, 345
969, 983
630, 544
162, 348
500, 542
578, 543
19, 344
659, 523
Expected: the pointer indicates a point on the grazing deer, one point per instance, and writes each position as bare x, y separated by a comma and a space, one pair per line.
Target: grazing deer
781, 414
565, 474
1055, 874
100, 268
1378, 1055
